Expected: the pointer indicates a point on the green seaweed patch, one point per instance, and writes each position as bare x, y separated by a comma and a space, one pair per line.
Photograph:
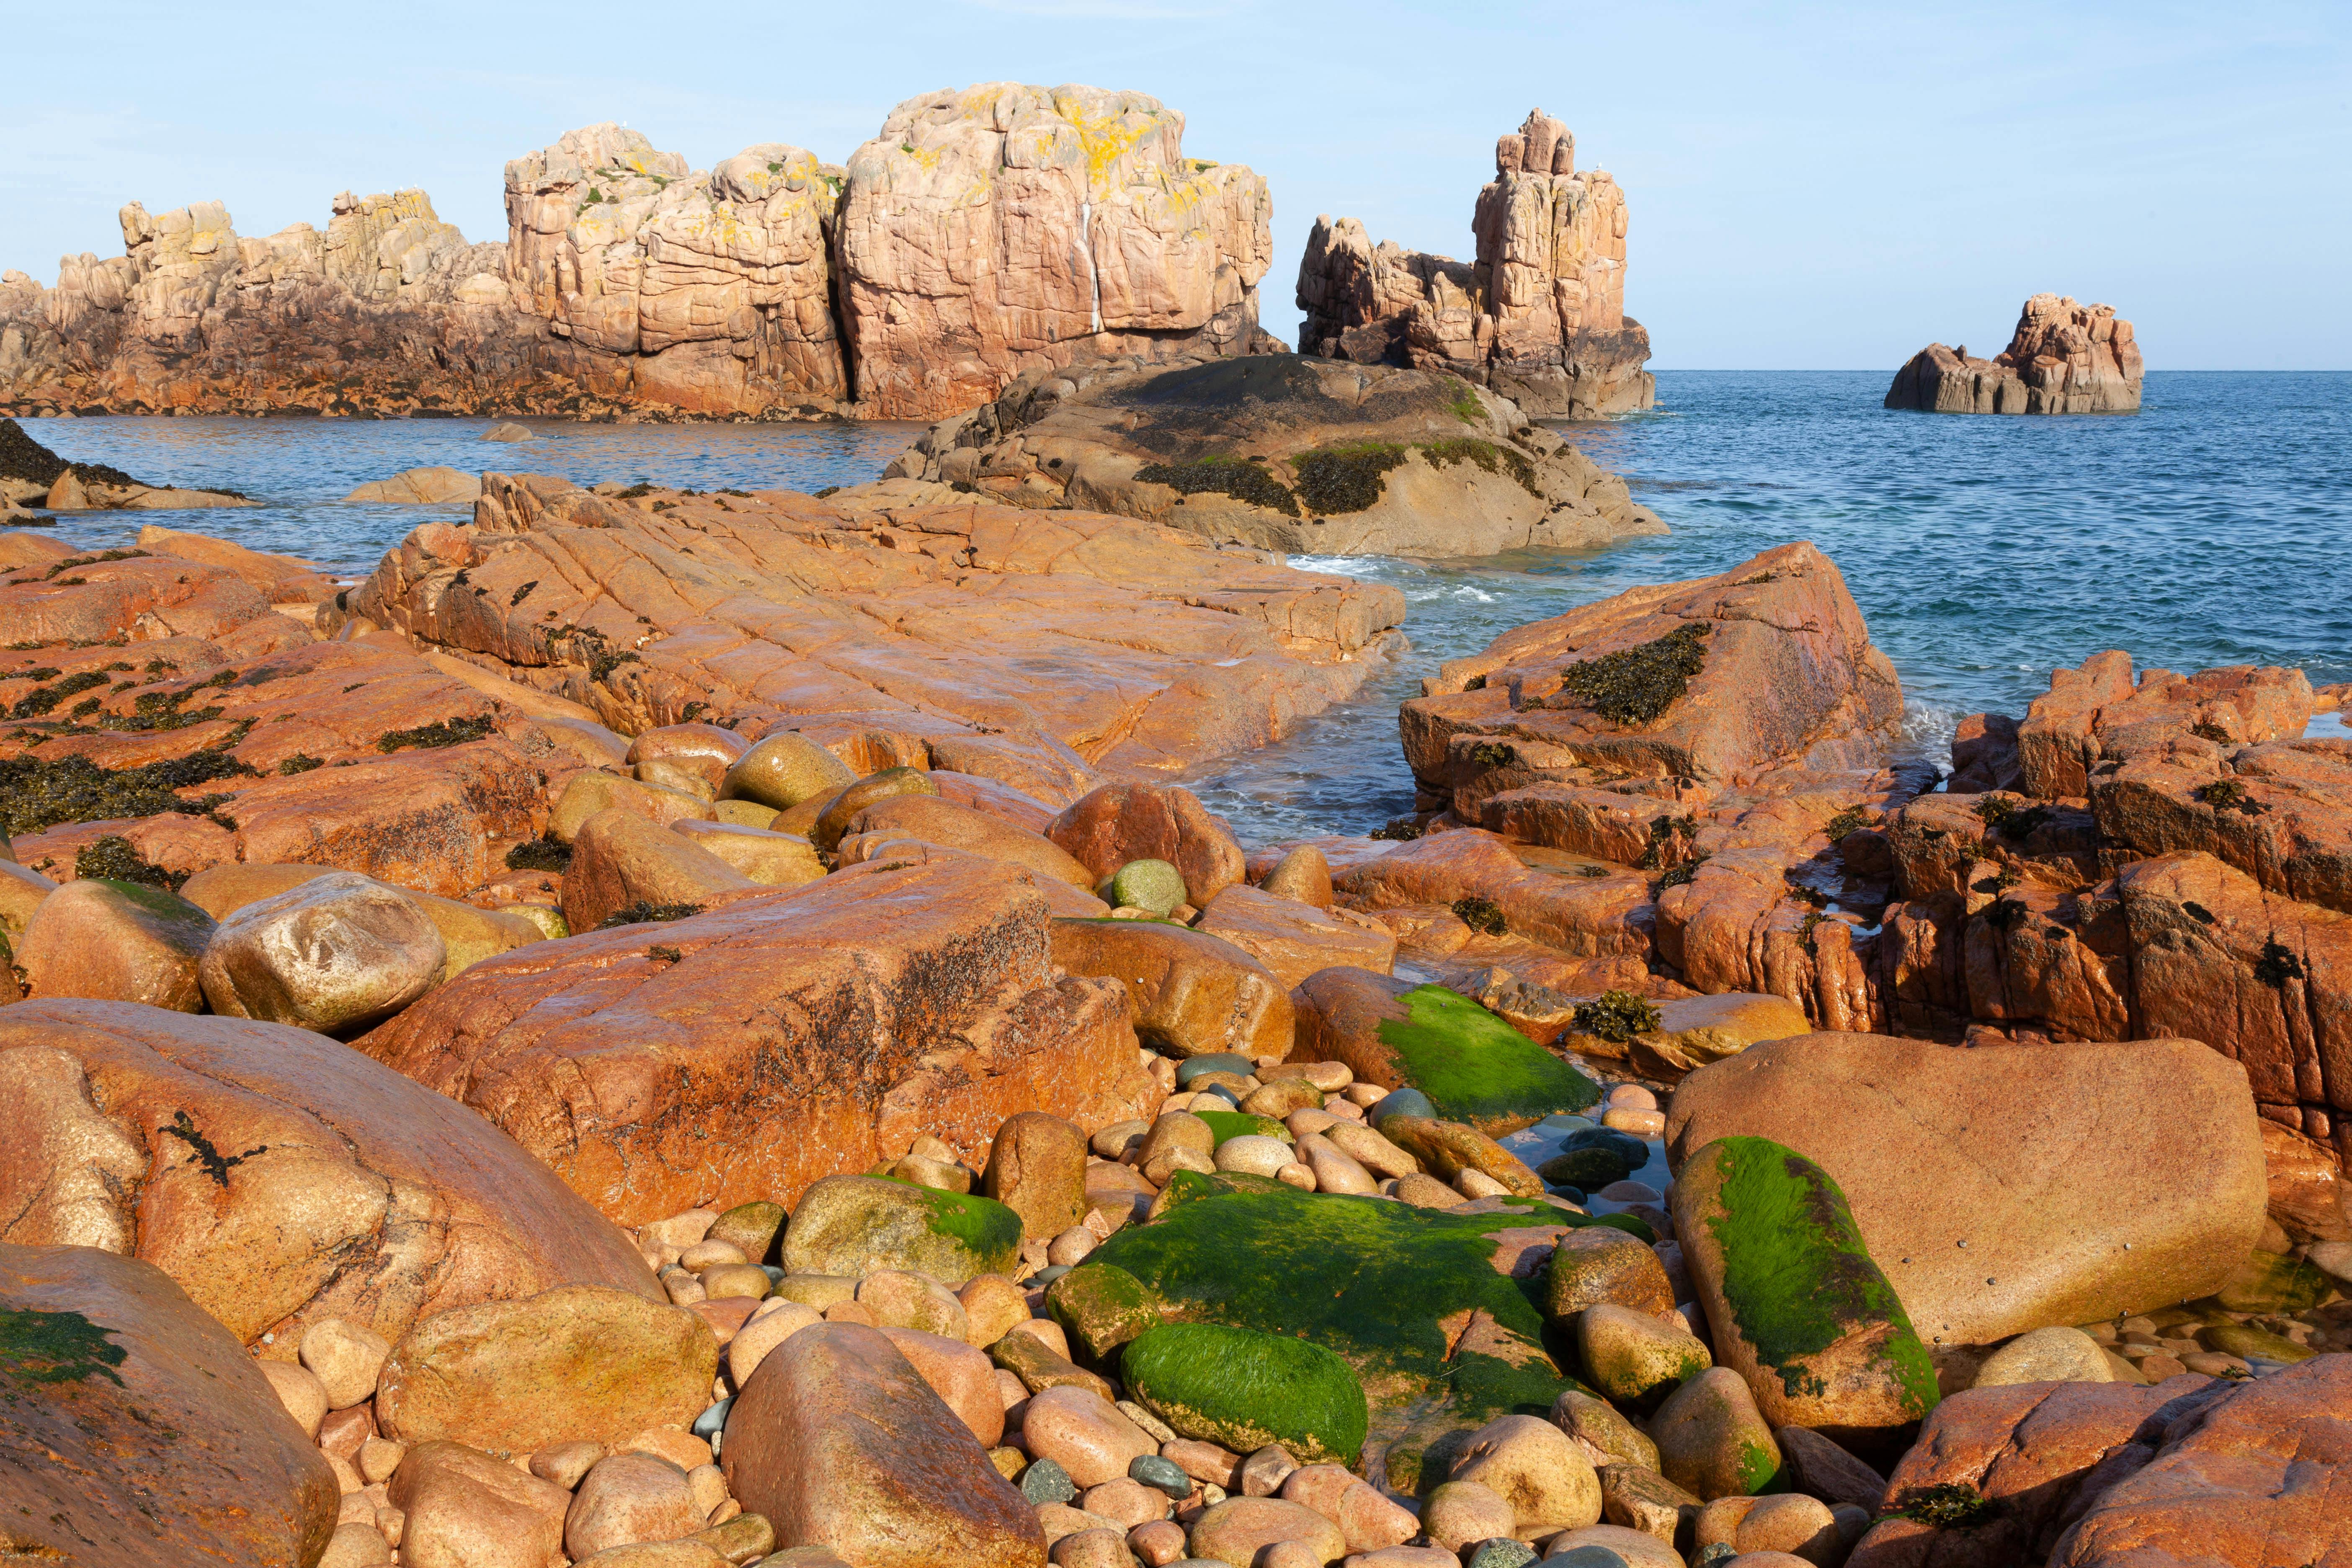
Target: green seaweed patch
1222, 476
1485, 455
1796, 1273
35, 795
1388, 1287
981, 1227
1224, 1124
1760, 1467
1476, 1068
1336, 479
1635, 685
1243, 1390
40, 1348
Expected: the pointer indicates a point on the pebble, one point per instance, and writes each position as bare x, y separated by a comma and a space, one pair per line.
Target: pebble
1505, 1552
1423, 1192
1295, 1175
1642, 1124
1253, 1153
1070, 1247
1460, 1512
1628, 1192
1215, 1466
1165, 1475
1160, 1431
1158, 1543
300, 1390
707, 1254
346, 1358
1126, 1502
1364, 1095
1045, 1481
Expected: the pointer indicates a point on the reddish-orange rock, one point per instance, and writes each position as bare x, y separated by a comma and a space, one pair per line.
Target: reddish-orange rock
2099, 714
133, 1428
1120, 823
749, 1051
2063, 358
280, 1176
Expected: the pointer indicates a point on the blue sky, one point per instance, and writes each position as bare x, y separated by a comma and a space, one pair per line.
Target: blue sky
1813, 185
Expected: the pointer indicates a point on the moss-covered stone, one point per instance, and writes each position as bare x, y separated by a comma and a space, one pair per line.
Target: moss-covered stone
1464, 1063
1797, 1305
1102, 1307
752, 1227
2253, 1343
1635, 1358
1227, 1124
1417, 1300
1243, 1390
2268, 1282
1220, 475
1152, 884
856, 1224
1587, 1168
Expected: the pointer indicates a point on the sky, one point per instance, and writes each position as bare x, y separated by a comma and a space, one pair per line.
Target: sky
1812, 186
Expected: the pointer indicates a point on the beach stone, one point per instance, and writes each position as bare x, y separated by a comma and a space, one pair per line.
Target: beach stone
1470, 1065
746, 1538
1115, 825
687, 1553
772, 859
750, 1228
2039, 1157
461, 1507
856, 1225
1043, 1482
1801, 1527
628, 1498
1281, 1097
837, 1441
1795, 1302
2045, 1355
1158, 1543
1369, 1148
734, 1281
1605, 1435
1193, 993
1080, 1430
1236, 1530
900, 1300
960, 1374
1102, 1308
1254, 1155
1153, 886
1335, 1172
784, 769
129, 1417
115, 941
619, 860
956, 825
303, 1396
1126, 1501
1712, 1440
1161, 1474
1243, 1390
1821, 1469
1318, 1487
1406, 1557
992, 1305
574, 1362
776, 1322
834, 818
591, 793
566, 1463
338, 953
1040, 1366
706, 752
1635, 1357
1644, 1500
2244, 1339
346, 1358
1037, 1168
1370, 1520
356, 1546
1206, 1463
1303, 875
1597, 1266
1457, 1513
1531, 1465
1101, 1547
1500, 1553
1447, 1148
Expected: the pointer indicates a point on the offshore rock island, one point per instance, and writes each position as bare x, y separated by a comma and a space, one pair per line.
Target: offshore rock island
2063, 358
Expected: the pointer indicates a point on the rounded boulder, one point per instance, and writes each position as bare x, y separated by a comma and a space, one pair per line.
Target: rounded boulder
334, 954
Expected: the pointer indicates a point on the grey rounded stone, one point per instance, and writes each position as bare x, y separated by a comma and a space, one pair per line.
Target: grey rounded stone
1504, 1553
1165, 1474
1402, 1102
1217, 1061
1046, 1482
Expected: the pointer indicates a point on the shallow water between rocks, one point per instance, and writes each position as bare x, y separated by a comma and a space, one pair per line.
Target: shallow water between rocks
2213, 526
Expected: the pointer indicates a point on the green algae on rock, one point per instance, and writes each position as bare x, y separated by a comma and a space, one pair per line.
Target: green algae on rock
853, 1225
1439, 1312
1243, 1390
1102, 1307
1471, 1066
1228, 1124
1798, 1306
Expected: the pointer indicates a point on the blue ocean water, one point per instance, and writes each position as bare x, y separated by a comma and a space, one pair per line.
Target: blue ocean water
2213, 526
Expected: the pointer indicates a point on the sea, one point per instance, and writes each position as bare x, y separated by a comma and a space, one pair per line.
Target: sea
2213, 526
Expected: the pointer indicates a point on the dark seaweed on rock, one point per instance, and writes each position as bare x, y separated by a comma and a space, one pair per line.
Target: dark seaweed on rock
539, 855
1616, 1016
642, 914
37, 795
114, 858
21, 458
1635, 685
1346, 479
1222, 476
440, 732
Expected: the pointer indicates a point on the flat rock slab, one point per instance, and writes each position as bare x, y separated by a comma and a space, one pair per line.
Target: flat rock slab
2005, 1188
277, 1175
1038, 640
134, 1428
749, 1051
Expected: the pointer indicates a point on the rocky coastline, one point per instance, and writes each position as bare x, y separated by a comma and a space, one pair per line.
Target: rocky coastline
667, 1028
2063, 358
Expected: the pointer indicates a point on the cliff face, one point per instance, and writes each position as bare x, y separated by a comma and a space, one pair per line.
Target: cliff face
1008, 228
2063, 358
1540, 316
982, 233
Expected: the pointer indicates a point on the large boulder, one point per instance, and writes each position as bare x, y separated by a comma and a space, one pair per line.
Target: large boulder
850, 1227
1539, 314
749, 1051
1123, 245
838, 1443
116, 941
134, 1428
2063, 358
2005, 1188
334, 953
279, 1177
1719, 681
1120, 823
1194, 994
578, 1361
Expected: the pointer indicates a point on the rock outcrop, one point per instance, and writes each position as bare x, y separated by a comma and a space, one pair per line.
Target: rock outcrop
959, 635
1286, 453
989, 231
2063, 358
771, 286
1540, 316
32, 475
